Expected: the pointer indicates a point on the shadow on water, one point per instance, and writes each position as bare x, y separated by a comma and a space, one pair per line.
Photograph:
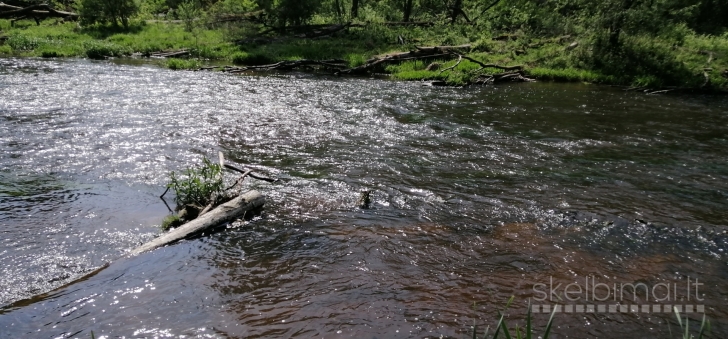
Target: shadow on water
477, 195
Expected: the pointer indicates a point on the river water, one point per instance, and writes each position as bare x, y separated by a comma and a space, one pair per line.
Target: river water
477, 195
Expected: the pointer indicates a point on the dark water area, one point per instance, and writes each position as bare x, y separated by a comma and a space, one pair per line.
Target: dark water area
478, 195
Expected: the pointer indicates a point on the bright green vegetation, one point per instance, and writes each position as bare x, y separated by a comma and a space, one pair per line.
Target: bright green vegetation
197, 186
662, 43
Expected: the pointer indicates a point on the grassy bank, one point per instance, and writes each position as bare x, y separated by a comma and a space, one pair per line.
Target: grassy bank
680, 60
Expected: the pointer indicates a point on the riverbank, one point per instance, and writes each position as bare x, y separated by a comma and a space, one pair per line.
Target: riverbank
693, 62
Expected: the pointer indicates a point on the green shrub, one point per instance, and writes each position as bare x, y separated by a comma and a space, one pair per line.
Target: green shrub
102, 50
20, 42
251, 59
50, 54
104, 11
179, 64
6, 50
197, 186
356, 59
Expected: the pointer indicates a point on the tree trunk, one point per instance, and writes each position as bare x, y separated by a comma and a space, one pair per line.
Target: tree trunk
337, 3
457, 8
354, 8
407, 10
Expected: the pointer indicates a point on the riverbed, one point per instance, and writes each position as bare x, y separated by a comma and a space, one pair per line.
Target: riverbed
478, 194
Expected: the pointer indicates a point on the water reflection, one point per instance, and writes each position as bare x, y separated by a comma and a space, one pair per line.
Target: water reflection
478, 194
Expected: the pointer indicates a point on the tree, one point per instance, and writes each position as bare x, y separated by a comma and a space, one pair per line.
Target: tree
103, 11
354, 8
407, 10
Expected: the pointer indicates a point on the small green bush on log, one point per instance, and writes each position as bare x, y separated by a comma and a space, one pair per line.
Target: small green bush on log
197, 186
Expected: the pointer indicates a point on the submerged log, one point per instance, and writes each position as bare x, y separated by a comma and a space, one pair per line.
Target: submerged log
226, 212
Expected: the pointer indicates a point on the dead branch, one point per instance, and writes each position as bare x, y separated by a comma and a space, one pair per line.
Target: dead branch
252, 175
240, 180
707, 78
486, 9
420, 53
460, 59
483, 66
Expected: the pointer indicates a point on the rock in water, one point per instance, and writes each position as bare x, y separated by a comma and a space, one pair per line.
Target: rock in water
364, 200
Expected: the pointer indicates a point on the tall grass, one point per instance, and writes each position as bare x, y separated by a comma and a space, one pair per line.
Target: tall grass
685, 327
528, 333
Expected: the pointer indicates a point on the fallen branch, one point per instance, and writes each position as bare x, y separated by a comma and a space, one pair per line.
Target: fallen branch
707, 77
240, 180
420, 53
460, 59
483, 66
252, 175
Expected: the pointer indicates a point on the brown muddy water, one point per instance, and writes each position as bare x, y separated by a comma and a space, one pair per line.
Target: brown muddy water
478, 195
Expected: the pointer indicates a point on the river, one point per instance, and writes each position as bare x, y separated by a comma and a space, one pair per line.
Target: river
478, 194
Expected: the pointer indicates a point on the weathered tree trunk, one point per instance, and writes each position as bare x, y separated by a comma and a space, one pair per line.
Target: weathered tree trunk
226, 212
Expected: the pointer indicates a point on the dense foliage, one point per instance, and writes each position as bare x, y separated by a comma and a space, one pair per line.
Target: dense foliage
103, 11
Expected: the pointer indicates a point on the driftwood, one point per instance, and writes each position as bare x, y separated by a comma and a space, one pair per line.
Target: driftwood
37, 12
226, 212
169, 54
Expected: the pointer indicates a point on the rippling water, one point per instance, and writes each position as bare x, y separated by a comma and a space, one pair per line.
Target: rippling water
478, 194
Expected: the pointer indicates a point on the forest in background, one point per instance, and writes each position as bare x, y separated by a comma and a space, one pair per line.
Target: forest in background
642, 43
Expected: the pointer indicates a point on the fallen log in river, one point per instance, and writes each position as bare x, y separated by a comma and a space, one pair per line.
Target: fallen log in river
226, 212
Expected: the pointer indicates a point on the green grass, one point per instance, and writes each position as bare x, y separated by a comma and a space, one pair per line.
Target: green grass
568, 74
183, 64
251, 59
171, 221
